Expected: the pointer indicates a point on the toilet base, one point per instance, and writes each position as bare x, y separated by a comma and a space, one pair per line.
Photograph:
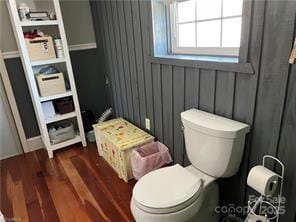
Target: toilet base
206, 210
210, 202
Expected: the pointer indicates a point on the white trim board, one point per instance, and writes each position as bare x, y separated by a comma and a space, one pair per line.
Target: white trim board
12, 155
35, 143
15, 54
12, 103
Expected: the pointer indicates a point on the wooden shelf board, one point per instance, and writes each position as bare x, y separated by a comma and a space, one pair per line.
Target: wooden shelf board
47, 98
59, 117
39, 23
66, 143
47, 62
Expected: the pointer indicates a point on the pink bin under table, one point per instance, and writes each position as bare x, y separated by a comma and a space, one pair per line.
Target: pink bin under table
149, 157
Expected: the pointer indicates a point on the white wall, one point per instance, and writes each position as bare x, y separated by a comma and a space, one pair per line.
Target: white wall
9, 140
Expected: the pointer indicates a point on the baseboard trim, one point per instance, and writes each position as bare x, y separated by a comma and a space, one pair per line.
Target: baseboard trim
8, 156
35, 143
77, 47
85, 46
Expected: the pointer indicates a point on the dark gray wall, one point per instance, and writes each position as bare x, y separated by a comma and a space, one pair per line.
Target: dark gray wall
90, 84
161, 89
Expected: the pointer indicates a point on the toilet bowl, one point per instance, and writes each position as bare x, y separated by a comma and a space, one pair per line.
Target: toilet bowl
176, 194
214, 147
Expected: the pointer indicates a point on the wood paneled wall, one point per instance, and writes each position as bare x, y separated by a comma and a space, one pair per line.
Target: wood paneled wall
145, 88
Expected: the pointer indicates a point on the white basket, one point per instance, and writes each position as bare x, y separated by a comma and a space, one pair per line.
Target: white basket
60, 135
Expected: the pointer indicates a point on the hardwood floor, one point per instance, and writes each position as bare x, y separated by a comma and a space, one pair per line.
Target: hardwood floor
76, 185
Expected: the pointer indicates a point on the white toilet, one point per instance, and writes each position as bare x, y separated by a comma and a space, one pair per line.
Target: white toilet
214, 147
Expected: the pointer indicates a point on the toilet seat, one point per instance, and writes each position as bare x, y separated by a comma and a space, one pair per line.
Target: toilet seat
166, 190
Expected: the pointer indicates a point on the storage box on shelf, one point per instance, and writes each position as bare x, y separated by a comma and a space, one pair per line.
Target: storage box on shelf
115, 140
51, 84
40, 48
57, 110
60, 132
64, 105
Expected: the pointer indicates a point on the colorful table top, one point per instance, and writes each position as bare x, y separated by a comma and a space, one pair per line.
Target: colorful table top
123, 134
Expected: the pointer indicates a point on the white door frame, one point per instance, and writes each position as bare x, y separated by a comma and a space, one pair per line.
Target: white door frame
13, 105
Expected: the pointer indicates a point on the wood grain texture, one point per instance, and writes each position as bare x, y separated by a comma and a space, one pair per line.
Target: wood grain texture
157, 95
192, 88
287, 148
126, 67
139, 60
178, 107
76, 185
119, 55
167, 106
109, 32
145, 29
207, 83
224, 98
132, 60
273, 79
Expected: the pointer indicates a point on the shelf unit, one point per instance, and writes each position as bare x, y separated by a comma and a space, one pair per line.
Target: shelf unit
29, 65
58, 96
59, 117
39, 23
48, 62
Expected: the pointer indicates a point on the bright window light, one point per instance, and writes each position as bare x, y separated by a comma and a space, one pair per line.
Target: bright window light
206, 27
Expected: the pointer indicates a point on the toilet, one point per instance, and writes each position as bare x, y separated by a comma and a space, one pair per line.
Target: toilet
214, 146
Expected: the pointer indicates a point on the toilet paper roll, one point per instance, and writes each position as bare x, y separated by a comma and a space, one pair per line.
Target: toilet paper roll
263, 180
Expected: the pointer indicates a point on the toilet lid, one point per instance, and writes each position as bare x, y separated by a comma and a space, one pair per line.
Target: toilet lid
166, 187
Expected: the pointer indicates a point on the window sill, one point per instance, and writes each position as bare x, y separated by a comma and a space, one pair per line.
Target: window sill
205, 62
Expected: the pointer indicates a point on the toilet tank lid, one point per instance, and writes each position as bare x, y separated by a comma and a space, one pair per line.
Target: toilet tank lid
213, 124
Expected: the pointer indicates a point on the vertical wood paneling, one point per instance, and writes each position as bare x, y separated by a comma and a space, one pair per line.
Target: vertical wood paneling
144, 14
104, 33
132, 60
109, 25
167, 105
118, 46
207, 90
287, 149
191, 96
102, 52
125, 58
270, 102
160, 92
225, 83
139, 60
178, 107
191, 88
157, 95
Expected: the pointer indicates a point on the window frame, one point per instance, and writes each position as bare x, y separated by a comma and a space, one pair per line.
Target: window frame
207, 51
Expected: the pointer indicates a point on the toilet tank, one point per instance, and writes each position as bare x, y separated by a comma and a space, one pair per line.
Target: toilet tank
214, 144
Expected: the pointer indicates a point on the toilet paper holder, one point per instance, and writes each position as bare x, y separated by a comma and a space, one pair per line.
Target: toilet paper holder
253, 205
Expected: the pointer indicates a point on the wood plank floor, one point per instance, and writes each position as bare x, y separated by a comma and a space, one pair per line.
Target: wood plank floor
76, 185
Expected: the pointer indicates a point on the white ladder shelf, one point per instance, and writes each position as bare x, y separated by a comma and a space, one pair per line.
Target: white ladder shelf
30, 75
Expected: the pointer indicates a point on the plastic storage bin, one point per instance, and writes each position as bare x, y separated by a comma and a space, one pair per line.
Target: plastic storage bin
61, 132
115, 140
149, 157
64, 105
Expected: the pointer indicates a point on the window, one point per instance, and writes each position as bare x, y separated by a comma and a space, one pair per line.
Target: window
206, 27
